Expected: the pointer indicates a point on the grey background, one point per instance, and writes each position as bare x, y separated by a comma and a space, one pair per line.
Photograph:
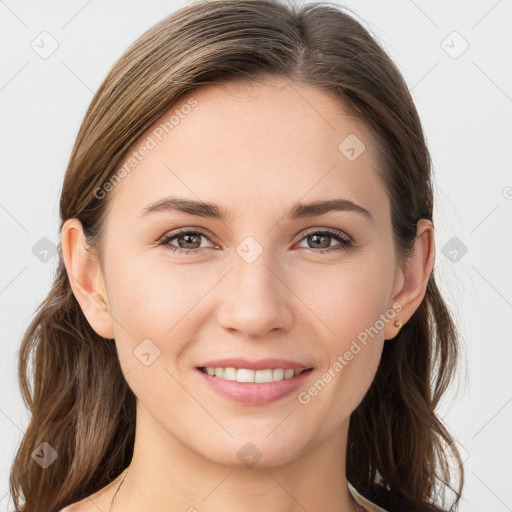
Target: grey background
464, 97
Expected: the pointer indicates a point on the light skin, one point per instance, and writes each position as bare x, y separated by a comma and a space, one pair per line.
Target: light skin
254, 151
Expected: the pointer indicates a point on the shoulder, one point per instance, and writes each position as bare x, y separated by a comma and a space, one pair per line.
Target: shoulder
79, 506
380, 499
361, 500
70, 508
94, 503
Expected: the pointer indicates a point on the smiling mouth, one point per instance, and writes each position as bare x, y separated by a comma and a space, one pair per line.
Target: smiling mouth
246, 375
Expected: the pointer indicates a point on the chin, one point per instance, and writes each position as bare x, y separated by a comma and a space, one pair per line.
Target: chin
252, 451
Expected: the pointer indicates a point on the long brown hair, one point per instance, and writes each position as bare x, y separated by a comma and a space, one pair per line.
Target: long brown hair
70, 377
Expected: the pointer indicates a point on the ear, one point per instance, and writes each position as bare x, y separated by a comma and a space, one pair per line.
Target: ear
85, 278
411, 281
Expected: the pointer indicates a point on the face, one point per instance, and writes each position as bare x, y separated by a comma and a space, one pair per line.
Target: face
258, 278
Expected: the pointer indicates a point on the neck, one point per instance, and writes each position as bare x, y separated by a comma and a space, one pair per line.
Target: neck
165, 475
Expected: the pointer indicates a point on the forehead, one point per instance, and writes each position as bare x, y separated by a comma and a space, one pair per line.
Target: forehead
252, 145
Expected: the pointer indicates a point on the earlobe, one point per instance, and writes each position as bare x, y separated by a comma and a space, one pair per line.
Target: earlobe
414, 277
85, 278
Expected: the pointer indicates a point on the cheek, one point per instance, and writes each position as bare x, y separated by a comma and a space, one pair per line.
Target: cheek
348, 297
153, 306
159, 309
151, 298
350, 303
147, 305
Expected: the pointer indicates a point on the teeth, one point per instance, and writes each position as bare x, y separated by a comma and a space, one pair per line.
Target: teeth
228, 374
247, 375
288, 374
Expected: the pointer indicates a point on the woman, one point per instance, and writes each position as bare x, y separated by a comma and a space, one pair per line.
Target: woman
245, 314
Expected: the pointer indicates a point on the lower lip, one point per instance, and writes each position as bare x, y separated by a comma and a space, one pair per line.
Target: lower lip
252, 393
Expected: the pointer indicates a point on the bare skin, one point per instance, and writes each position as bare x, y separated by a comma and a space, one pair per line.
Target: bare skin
254, 151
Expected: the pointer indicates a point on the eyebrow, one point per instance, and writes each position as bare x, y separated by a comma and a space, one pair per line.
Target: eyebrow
210, 210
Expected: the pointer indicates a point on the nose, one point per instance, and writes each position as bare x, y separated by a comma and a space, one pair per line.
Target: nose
255, 299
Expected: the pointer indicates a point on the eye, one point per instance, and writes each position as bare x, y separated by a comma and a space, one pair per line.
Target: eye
321, 239
189, 241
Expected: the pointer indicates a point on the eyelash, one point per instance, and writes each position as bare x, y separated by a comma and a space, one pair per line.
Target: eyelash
345, 241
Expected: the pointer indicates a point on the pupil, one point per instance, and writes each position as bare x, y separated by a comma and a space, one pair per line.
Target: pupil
316, 237
188, 236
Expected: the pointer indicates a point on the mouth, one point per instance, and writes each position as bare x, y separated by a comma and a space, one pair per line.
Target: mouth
248, 375
255, 387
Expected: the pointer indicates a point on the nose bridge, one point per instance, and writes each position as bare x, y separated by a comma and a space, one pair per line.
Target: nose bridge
255, 300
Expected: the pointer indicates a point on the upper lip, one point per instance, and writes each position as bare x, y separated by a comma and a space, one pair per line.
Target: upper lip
260, 364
